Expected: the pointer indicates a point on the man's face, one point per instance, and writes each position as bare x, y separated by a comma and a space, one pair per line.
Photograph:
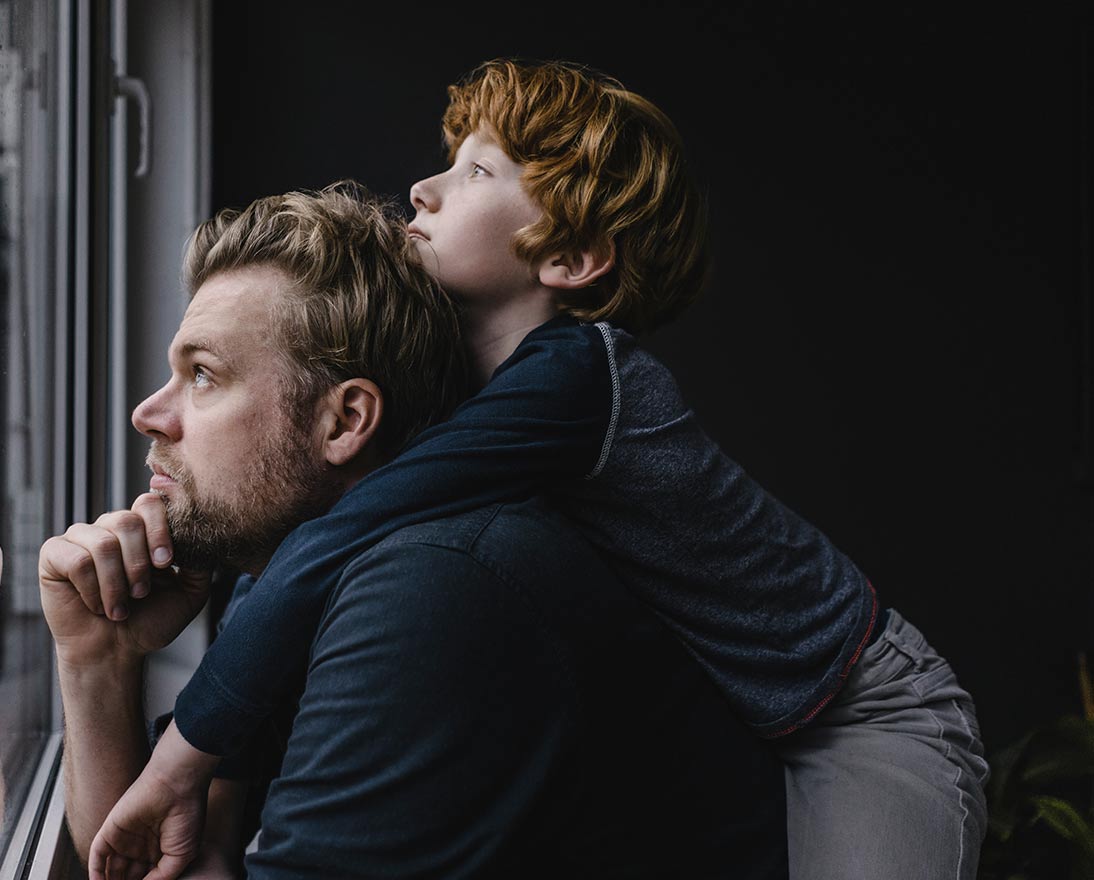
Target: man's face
465, 220
235, 470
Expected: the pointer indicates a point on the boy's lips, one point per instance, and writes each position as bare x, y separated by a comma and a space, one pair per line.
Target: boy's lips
414, 230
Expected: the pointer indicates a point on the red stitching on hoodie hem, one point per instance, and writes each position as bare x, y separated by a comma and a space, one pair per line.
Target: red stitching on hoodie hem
843, 673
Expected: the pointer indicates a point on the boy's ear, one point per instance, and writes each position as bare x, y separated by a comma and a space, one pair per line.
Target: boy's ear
577, 269
349, 419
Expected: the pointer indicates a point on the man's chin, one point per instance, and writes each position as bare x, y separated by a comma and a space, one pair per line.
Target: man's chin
211, 548
208, 532
195, 559
197, 546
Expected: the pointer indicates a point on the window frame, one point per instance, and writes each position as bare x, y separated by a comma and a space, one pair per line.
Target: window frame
57, 63
103, 325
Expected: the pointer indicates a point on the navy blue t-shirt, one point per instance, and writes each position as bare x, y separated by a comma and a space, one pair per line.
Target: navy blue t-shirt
484, 699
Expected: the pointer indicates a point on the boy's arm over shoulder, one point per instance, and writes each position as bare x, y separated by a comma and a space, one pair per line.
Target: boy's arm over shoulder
551, 405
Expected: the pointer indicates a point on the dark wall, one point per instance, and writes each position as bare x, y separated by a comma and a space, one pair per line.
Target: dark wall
890, 339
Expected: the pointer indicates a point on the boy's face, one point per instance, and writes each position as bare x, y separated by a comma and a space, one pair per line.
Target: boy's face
465, 220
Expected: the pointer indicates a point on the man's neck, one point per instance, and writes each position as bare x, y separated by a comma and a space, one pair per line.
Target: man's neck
492, 332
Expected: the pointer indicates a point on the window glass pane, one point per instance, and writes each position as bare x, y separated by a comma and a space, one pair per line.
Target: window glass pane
28, 297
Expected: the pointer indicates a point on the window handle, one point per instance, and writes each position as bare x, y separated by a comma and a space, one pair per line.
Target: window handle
135, 89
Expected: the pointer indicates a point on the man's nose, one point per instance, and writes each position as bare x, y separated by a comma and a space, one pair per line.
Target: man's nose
156, 417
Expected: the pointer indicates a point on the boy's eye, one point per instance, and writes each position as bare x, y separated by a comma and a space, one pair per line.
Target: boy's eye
477, 170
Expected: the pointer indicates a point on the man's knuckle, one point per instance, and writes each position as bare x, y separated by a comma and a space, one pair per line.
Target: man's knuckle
103, 544
128, 522
82, 565
119, 521
50, 546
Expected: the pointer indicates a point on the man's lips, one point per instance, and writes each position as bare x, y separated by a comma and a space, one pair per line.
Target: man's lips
160, 479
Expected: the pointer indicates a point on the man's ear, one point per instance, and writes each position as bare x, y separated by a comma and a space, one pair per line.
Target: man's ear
577, 269
350, 418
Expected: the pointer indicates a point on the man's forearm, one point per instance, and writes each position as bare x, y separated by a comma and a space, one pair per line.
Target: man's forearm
106, 742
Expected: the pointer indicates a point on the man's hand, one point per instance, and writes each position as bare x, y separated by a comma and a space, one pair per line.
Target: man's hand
108, 588
152, 832
158, 823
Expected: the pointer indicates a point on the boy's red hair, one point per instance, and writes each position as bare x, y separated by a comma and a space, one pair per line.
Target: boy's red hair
607, 168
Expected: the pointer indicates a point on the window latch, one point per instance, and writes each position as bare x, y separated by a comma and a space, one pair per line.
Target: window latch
134, 89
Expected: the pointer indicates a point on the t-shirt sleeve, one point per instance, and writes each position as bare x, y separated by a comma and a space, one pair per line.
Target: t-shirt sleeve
544, 418
436, 709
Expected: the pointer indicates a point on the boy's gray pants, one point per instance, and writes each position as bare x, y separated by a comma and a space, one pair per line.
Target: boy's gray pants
888, 781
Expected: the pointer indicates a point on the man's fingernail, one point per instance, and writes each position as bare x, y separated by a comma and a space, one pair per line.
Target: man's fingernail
160, 556
139, 591
119, 613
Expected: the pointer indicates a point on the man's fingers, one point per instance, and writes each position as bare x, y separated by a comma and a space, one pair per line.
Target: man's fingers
97, 858
117, 854
137, 870
169, 868
129, 529
117, 867
125, 868
121, 547
63, 561
109, 573
151, 509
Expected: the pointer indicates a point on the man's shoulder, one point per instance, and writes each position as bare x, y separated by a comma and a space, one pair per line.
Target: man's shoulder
527, 542
524, 557
455, 533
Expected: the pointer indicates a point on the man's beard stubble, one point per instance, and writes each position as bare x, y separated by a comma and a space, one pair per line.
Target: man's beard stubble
280, 486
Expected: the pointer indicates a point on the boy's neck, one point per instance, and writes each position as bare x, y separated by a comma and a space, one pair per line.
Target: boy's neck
492, 332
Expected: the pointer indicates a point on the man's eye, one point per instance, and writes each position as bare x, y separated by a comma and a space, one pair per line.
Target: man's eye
201, 377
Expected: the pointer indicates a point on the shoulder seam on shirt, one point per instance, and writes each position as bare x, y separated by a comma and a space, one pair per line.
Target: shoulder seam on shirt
493, 516
613, 367
399, 538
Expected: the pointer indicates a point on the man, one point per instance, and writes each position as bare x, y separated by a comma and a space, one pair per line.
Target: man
481, 698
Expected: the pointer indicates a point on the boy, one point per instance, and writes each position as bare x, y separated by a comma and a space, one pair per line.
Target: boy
568, 203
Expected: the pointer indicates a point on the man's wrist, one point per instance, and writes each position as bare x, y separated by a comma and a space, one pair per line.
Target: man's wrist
111, 688
117, 668
179, 766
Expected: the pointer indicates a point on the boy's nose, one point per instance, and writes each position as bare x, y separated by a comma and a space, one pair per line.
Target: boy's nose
423, 195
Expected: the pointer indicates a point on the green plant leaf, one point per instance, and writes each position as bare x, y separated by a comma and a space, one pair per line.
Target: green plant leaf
1066, 821
1039, 792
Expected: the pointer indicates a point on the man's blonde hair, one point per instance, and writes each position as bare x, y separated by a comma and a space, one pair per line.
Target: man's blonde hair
360, 305
607, 168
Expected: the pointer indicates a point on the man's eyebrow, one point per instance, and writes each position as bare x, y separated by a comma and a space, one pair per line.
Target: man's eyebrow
203, 346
